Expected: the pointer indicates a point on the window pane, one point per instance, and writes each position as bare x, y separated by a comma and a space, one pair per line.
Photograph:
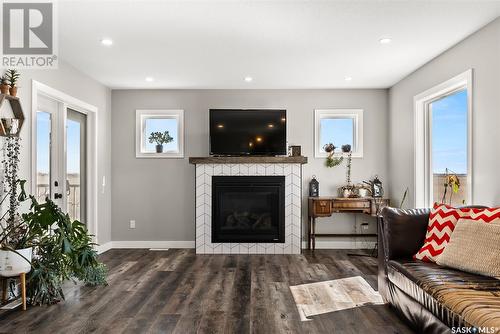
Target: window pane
449, 146
161, 125
76, 165
43, 129
339, 131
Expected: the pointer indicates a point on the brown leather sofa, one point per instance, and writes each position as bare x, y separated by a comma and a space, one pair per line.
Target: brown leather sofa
431, 298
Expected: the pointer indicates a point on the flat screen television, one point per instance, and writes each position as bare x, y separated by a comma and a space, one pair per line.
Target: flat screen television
247, 132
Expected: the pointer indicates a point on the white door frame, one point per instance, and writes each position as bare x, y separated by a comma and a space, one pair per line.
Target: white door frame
91, 112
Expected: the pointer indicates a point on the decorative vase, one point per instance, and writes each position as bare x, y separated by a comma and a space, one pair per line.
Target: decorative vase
159, 148
13, 91
4, 89
13, 264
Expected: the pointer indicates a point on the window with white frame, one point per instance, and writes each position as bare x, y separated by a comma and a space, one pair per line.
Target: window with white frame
443, 143
338, 127
159, 133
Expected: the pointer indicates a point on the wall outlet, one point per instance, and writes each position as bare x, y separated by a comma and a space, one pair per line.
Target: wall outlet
132, 224
364, 226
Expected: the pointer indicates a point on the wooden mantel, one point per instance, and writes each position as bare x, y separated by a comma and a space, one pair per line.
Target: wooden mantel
248, 160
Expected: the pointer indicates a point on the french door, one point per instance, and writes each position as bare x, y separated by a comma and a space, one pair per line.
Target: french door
61, 156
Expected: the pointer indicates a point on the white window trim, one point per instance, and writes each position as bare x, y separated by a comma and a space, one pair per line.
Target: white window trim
423, 172
141, 115
356, 114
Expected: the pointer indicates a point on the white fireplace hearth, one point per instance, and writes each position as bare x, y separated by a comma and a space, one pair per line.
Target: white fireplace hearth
289, 167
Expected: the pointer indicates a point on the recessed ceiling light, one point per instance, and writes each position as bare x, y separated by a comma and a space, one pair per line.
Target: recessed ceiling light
347, 78
248, 79
107, 41
385, 40
150, 79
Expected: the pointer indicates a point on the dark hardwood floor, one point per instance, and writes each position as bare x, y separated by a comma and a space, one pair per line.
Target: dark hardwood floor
180, 292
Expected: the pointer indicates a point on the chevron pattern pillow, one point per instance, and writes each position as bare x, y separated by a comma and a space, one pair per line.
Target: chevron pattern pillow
489, 215
442, 221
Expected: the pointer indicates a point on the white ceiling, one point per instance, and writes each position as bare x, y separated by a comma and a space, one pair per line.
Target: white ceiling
281, 44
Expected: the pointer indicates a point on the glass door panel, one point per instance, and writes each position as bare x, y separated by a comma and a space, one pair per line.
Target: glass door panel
76, 165
43, 155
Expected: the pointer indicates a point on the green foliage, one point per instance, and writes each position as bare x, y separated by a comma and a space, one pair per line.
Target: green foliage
332, 161
94, 275
4, 80
160, 138
64, 250
12, 76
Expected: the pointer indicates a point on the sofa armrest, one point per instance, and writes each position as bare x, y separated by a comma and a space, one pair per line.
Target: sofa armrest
402, 232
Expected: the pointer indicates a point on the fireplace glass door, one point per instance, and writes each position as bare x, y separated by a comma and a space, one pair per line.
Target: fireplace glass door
248, 209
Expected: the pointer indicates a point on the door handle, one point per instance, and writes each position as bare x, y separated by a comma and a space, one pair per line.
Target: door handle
57, 196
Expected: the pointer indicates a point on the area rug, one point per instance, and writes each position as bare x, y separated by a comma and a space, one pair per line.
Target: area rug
336, 295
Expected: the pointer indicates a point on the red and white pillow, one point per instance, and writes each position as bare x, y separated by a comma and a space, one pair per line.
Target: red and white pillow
442, 221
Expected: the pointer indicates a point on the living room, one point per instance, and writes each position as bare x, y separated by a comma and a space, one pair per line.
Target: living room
250, 166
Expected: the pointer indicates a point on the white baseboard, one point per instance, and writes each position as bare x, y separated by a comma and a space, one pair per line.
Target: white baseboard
104, 247
152, 244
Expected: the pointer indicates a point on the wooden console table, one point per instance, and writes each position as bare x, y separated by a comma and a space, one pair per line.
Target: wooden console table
325, 206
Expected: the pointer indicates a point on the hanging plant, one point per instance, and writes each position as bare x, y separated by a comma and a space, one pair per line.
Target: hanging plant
331, 159
10, 162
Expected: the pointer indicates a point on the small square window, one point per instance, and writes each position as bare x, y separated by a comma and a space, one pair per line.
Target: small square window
159, 134
339, 127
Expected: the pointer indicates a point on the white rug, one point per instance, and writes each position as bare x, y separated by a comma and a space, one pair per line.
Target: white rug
330, 296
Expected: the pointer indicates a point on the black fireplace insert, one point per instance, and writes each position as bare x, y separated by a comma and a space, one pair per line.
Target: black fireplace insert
248, 209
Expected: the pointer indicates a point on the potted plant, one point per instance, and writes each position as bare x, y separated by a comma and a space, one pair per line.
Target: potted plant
4, 85
160, 138
348, 190
63, 250
12, 76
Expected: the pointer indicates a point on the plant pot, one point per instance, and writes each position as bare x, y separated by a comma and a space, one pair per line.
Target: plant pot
159, 148
4, 89
13, 91
13, 264
348, 192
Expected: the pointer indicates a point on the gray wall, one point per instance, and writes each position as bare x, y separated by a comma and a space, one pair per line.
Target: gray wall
72, 82
481, 52
159, 193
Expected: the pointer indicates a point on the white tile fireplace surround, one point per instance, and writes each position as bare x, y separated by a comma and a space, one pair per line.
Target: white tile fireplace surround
290, 167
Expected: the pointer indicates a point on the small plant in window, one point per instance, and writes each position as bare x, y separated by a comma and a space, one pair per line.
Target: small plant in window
450, 180
160, 138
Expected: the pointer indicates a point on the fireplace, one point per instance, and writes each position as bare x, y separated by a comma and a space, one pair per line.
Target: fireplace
248, 209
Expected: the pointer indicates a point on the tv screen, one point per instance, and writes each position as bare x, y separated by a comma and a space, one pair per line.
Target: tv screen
247, 132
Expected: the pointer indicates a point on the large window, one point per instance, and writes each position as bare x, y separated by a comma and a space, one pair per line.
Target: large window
443, 143
159, 134
339, 127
